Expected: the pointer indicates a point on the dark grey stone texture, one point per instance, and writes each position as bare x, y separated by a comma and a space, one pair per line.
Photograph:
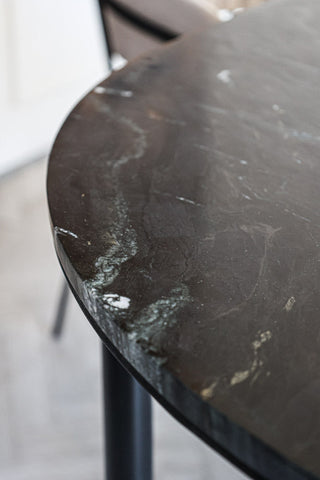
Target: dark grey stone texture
184, 199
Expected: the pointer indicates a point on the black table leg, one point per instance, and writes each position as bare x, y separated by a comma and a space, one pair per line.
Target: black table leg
128, 430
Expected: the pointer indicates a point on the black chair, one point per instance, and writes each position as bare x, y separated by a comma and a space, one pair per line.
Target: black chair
134, 27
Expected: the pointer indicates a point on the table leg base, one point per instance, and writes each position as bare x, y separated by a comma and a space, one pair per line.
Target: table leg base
128, 426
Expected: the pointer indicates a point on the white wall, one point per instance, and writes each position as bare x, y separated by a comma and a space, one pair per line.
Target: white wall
51, 53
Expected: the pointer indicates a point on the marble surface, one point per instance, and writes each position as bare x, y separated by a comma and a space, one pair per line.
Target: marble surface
184, 200
50, 396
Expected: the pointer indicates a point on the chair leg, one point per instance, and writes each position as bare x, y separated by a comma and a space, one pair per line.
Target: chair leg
128, 427
103, 5
61, 311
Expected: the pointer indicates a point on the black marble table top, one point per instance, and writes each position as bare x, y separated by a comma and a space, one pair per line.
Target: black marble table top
184, 194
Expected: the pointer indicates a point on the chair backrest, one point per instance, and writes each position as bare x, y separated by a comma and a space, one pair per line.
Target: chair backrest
133, 27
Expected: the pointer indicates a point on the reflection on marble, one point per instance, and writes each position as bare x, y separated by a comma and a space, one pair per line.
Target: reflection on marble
184, 197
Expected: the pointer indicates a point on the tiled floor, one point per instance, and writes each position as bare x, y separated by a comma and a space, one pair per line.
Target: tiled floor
50, 408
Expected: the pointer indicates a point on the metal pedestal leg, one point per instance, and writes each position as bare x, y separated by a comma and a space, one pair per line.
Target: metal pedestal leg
128, 431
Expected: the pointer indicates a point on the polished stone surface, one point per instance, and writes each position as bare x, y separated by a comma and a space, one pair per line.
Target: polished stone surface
184, 199
50, 396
